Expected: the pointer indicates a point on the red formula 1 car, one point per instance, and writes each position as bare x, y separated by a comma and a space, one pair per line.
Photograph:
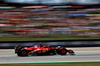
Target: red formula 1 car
42, 50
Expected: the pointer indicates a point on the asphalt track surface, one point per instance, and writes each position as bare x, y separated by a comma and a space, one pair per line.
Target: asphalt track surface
11, 57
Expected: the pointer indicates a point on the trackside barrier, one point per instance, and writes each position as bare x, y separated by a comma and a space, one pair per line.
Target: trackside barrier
12, 44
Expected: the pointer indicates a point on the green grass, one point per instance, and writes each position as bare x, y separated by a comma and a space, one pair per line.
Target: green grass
40, 39
56, 64
47, 37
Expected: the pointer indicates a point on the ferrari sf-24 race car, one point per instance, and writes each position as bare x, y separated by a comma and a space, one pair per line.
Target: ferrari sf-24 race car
42, 50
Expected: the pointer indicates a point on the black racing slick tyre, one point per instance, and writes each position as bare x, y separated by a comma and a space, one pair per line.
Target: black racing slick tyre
63, 51
23, 53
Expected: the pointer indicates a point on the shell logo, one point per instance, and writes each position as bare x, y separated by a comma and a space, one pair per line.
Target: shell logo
44, 50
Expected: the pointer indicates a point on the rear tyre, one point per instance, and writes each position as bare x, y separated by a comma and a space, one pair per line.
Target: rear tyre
23, 53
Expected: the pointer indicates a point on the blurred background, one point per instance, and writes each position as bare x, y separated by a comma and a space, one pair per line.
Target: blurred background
49, 20
61, 2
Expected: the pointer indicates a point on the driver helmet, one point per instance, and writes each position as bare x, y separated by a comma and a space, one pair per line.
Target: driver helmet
40, 45
59, 46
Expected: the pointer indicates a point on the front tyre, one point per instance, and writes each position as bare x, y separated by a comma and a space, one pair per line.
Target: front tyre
63, 51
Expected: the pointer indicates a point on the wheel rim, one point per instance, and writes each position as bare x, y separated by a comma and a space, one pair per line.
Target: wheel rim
23, 52
63, 51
